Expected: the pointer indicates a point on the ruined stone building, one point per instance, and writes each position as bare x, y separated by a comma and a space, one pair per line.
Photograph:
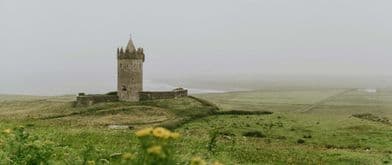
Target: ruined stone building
129, 81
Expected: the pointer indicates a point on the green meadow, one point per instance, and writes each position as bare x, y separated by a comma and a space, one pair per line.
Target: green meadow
269, 126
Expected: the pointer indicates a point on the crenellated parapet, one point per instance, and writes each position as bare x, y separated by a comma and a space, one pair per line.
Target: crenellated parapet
130, 53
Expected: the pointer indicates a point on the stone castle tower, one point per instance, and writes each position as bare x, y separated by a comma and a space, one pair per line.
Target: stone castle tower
130, 72
129, 81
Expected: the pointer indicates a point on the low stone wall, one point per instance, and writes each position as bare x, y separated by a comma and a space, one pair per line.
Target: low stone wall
87, 100
153, 95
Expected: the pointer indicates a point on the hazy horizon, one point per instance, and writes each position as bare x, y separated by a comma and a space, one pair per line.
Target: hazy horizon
63, 47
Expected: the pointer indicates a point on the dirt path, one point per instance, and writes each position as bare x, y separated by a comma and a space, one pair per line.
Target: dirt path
312, 106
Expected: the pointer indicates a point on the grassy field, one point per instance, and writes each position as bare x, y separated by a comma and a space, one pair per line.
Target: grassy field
307, 126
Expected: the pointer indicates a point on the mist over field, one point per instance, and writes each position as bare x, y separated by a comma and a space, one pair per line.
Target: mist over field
51, 47
214, 83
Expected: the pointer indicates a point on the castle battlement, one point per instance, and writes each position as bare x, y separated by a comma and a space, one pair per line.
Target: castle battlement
130, 54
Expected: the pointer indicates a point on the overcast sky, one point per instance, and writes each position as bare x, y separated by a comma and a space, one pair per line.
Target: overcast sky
49, 46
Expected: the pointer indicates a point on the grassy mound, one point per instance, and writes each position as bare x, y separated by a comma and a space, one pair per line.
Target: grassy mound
136, 114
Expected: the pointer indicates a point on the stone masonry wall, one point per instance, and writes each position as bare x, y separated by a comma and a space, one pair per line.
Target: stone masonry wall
130, 79
88, 100
153, 95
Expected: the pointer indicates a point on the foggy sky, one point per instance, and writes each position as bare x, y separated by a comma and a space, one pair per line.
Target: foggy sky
52, 47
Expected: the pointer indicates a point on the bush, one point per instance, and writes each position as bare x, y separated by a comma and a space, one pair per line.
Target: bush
300, 141
18, 147
257, 134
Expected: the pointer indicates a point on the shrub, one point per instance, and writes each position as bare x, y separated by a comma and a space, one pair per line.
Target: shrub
18, 147
257, 134
300, 141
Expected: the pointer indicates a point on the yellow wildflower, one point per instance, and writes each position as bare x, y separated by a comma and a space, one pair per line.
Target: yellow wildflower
161, 133
198, 161
157, 150
144, 132
7, 131
175, 135
216, 163
91, 162
127, 156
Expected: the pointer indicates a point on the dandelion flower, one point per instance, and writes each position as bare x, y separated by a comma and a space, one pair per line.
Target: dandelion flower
91, 162
161, 133
216, 163
175, 135
7, 131
198, 161
156, 150
144, 132
127, 156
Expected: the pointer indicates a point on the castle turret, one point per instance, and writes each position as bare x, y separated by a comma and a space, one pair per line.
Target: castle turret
130, 72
